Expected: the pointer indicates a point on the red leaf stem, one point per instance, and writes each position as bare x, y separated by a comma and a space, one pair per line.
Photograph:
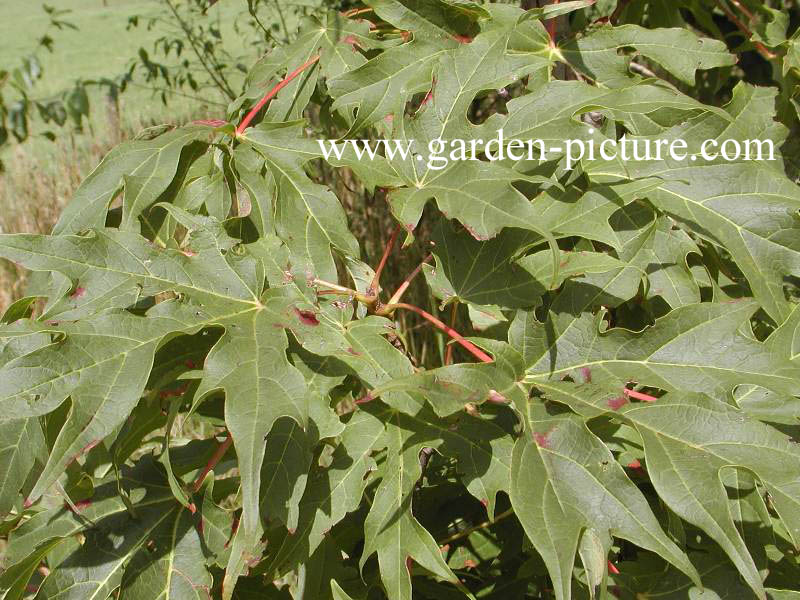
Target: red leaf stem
213, 461
271, 94
639, 395
472, 348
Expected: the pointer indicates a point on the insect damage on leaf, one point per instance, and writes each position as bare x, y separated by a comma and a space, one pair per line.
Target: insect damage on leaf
307, 317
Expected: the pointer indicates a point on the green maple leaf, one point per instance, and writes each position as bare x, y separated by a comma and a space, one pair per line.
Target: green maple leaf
712, 436
21, 444
467, 270
713, 356
331, 492
334, 39
390, 528
660, 250
707, 198
565, 485
596, 55
143, 169
98, 403
383, 85
122, 539
434, 17
217, 282
303, 206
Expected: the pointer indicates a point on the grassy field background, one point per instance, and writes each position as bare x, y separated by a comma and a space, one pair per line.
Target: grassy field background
100, 47
40, 176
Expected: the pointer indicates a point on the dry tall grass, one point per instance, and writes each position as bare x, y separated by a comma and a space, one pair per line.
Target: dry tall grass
33, 192
40, 177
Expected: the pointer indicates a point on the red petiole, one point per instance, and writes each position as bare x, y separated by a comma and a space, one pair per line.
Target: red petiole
639, 395
448, 356
407, 282
373, 287
551, 27
271, 94
213, 461
394, 303
469, 346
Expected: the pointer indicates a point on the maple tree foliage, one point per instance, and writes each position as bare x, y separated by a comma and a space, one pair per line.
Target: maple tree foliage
209, 391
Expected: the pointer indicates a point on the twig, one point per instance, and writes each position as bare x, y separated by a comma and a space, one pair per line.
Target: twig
218, 78
642, 70
365, 398
470, 530
621, 6
448, 356
354, 12
761, 48
335, 288
176, 93
213, 461
271, 94
252, 9
283, 20
742, 8
469, 346
645, 72
372, 290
